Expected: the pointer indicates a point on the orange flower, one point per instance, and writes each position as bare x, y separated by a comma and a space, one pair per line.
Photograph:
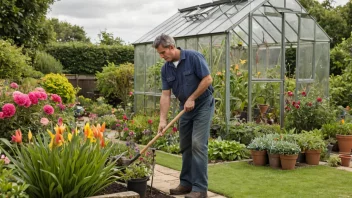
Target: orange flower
59, 139
237, 67
17, 138
102, 142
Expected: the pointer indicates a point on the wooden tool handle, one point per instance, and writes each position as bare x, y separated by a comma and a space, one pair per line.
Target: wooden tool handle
164, 130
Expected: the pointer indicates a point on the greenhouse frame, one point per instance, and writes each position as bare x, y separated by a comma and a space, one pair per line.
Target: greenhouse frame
238, 38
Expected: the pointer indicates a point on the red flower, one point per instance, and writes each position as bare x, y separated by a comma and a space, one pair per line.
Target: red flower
319, 99
298, 103
17, 137
287, 108
290, 93
304, 93
59, 121
124, 117
309, 104
174, 129
297, 106
293, 103
150, 121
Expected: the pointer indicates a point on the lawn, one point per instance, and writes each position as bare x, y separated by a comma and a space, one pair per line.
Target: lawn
244, 180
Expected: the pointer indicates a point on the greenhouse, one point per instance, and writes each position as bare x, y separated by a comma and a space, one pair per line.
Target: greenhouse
262, 47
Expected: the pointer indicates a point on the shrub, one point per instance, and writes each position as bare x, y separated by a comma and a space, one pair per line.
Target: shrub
116, 82
58, 84
110, 120
334, 161
83, 58
66, 164
226, 150
46, 63
9, 185
13, 64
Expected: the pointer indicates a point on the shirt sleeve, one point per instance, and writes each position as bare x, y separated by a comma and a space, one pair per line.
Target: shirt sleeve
165, 85
201, 65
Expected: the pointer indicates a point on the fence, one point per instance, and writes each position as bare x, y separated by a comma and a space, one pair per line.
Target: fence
87, 83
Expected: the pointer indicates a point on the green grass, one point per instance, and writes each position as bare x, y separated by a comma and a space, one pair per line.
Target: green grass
244, 180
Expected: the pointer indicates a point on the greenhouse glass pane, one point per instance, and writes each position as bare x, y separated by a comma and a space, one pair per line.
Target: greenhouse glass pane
266, 93
191, 43
150, 104
144, 37
181, 43
292, 4
263, 35
244, 26
150, 78
169, 27
266, 62
307, 28
277, 3
320, 35
290, 34
322, 66
292, 20
242, 37
218, 54
221, 16
229, 23
139, 67
269, 27
204, 47
139, 103
305, 60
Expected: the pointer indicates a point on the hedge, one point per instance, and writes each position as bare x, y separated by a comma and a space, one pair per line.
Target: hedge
82, 58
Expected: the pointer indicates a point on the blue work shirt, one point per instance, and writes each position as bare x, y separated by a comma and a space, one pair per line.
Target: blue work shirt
184, 79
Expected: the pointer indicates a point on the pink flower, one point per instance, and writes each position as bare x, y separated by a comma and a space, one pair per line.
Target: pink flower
44, 121
131, 93
14, 85
125, 129
124, 117
21, 99
43, 96
60, 121
16, 93
174, 129
1, 115
39, 89
28, 103
297, 106
48, 109
56, 98
8, 110
150, 121
131, 133
6, 160
33, 97
319, 99
38, 94
290, 93
61, 106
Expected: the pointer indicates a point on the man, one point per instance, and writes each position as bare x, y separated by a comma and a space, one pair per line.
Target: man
186, 73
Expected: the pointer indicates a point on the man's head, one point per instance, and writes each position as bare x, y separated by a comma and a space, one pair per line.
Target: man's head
165, 46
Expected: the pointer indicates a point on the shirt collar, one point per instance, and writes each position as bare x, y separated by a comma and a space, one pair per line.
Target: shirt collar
182, 54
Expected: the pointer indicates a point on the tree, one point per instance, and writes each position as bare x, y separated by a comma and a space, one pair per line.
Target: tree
107, 38
66, 32
23, 22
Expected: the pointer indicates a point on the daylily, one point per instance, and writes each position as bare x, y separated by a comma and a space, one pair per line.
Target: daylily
88, 133
17, 137
69, 137
59, 129
56, 140
243, 61
102, 142
30, 136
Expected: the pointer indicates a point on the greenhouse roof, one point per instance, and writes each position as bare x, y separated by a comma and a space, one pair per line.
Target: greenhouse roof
224, 15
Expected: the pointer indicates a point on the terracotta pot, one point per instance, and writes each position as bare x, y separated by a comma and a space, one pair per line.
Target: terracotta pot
345, 143
313, 157
274, 160
259, 157
263, 108
288, 162
345, 160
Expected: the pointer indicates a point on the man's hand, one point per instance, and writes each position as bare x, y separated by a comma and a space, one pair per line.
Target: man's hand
189, 105
162, 125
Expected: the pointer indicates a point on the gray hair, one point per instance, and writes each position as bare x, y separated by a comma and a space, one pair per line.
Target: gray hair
164, 40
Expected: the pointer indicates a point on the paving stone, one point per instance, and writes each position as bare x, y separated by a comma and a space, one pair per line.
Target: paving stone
128, 194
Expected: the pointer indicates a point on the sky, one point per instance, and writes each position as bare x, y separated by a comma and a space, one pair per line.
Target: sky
127, 19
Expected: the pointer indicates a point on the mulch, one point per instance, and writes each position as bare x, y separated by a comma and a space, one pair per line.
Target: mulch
118, 187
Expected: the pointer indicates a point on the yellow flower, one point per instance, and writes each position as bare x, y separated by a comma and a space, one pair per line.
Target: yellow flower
88, 133
342, 121
76, 131
30, 136
60, 129
52, 136
258, 74
243, 61
69, 137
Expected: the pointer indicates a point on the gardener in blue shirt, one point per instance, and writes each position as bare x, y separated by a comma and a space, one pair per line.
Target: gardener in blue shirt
186, 73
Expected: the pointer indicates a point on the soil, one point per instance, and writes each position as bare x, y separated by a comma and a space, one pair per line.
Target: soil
118, 187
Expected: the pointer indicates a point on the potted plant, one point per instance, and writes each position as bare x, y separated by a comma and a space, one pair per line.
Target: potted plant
314, 145
288, 154
345, 160
344, 138
258, 148
274, 155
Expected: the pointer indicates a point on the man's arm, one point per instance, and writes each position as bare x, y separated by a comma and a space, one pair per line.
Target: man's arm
203, 85
165, 101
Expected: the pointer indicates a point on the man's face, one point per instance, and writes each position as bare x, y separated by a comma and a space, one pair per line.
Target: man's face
166, 53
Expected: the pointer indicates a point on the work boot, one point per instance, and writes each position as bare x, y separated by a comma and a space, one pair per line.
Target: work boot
197, 195
180, 190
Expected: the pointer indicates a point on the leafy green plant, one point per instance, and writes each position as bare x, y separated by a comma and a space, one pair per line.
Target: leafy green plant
116, 82
58, 167
173, 148
109, 120
287, 148
226, 150
86, 102
9, 185
334, 161
58, 84
46, 63
258, 144
312, 140
333, 129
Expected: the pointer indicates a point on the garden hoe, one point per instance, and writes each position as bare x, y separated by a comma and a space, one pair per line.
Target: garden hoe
155, 138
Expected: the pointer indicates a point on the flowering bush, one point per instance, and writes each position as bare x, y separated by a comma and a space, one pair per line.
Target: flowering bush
67, 163
307, 113
29, 111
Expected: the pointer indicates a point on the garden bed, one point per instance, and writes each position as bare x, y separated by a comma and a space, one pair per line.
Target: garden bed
119, 187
